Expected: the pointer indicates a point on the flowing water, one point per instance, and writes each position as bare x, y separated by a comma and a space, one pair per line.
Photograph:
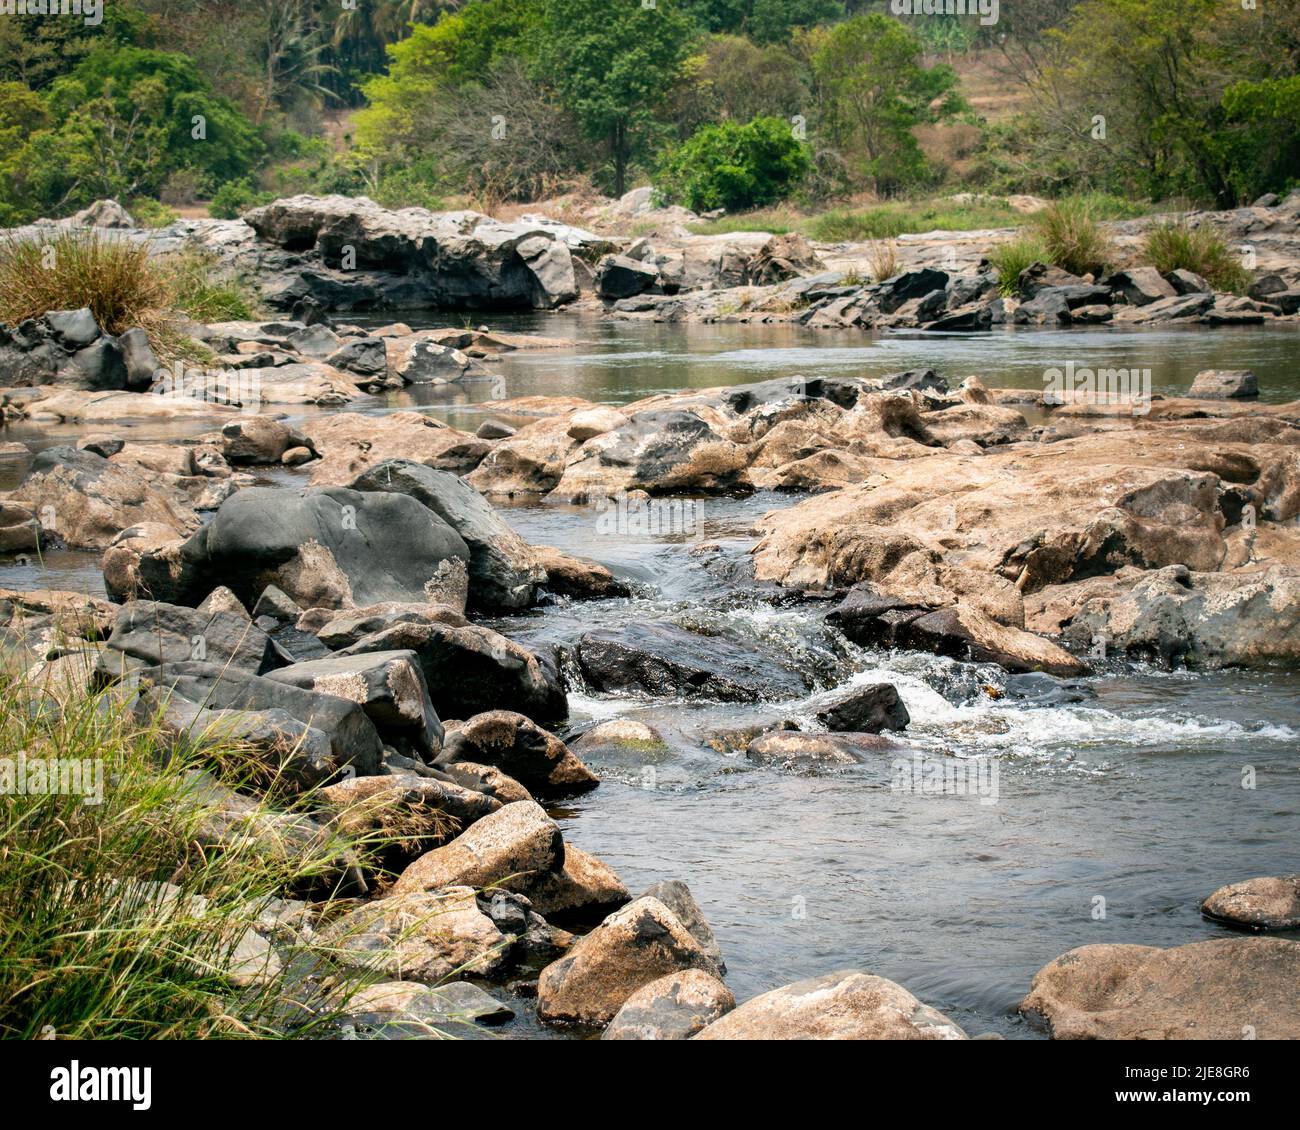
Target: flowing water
1106, 811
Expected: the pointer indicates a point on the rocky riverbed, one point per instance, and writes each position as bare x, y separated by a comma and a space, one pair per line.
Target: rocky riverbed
901, 584
905, 588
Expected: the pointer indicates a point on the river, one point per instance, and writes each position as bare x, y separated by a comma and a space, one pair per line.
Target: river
1118, 804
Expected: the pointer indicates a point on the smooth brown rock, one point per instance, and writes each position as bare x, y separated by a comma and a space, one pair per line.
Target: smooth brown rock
674, 1007
1271, 903
848, 1005
1226, 989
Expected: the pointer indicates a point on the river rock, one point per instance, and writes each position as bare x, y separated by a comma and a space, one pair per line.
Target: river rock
504, 572
848, 1005
577, 578
260, 440
331, 547
156, 633
618, 276
420, 936
791, 750
388, 685
351, 443
582, 887
19, 528
1141, 286
353, 738
1226, 989
513, 743
664, 660
423, 812
1177, 616
409, 1010
1225, 384
341, 628
503, 848
87, 501
470, 670
674, 1007
677, 897
633, 946
866, 710
1257, 904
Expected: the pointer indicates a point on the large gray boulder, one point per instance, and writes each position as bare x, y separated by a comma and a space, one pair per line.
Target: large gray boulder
330, 547
504, 571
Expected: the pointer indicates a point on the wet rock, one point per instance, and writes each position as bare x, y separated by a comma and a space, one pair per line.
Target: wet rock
848, 1005
1227, 989
674, 1007
536, 758
505, 848
472, 669
666, 661
504, 572
796, 751
1225, 384
388, 685
1257, 904
968, 634
892, 293
633, 946
867, 710
618, 736
421, 936
577, 577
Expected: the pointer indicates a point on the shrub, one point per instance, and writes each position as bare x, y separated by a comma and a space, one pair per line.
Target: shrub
1072, 237
1175, 246
236, 197
151, 213
123, 283
734, 166
1013, 256
884, 260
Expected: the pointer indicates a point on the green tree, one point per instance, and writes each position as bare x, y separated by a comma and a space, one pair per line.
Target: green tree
873, 90
613, 64
734, 166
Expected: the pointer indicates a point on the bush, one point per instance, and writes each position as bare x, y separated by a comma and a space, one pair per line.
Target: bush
1012, 257
151, 213
122, 282
1072, 237
236, 197
1177, 247
734, 166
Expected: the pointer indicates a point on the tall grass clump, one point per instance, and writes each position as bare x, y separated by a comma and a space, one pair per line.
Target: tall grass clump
1009, 259
883, 260
123, 282
124, 918
1073, 237
1175, 246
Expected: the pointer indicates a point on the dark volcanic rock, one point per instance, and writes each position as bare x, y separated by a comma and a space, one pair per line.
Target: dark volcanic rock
867, 710
664, 660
